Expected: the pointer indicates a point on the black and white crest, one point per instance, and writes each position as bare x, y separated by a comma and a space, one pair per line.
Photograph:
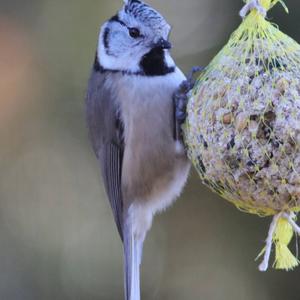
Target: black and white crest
145, 14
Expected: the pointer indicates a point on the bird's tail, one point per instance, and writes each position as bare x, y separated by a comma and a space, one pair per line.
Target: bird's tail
133, 248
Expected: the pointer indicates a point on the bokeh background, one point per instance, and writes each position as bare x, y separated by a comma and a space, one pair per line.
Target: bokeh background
58, 240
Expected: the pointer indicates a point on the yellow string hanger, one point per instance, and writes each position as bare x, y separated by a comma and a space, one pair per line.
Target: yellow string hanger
280, 235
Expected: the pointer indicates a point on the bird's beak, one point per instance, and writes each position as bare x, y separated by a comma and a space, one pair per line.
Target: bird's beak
162, 44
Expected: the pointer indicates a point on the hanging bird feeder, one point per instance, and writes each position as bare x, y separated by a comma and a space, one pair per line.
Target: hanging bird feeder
243, 127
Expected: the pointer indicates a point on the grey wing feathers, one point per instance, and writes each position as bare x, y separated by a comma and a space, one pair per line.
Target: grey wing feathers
111, 158
104, 129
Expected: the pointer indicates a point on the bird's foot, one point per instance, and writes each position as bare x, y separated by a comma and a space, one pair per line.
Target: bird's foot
181, 99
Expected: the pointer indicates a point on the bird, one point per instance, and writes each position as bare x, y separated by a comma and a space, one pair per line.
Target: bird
133, 126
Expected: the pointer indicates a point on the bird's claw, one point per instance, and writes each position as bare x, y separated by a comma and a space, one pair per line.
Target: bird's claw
181, 99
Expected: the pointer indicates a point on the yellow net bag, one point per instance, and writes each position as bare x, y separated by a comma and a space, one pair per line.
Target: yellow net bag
243, 127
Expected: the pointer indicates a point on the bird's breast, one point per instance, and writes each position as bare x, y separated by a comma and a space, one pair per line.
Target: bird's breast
147, 108
151, 158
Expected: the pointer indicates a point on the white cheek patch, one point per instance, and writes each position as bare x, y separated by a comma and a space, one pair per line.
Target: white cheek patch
121, 61
124, 63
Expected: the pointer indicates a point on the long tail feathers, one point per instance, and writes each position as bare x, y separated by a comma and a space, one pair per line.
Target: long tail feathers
132, 256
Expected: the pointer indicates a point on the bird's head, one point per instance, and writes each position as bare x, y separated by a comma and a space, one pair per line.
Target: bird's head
135, 40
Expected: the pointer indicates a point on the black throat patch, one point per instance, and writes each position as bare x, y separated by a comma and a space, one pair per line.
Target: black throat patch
153, 63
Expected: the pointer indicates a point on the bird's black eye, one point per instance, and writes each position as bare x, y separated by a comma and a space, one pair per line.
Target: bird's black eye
134, 33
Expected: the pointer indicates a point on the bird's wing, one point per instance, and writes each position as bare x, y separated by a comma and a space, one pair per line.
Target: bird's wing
106, 135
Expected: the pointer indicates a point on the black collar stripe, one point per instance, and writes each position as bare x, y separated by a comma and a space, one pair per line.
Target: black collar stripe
101, 69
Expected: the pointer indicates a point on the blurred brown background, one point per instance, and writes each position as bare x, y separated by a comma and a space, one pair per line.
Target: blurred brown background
57, 236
